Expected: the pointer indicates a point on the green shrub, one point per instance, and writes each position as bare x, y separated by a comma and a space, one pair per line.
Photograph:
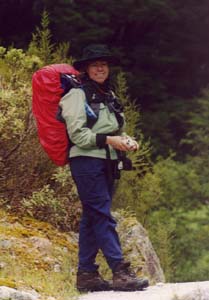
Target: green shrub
45, 205
25, 167
180, 184
184, 219
161, 229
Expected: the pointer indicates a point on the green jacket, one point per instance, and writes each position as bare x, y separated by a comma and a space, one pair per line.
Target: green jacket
84, 138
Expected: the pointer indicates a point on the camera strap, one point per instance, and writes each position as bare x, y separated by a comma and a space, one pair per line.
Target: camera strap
113, 171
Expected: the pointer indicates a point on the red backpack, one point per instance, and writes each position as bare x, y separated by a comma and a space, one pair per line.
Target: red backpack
49, 84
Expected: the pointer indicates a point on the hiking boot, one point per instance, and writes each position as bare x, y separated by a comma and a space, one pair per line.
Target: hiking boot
126, 280
91, 282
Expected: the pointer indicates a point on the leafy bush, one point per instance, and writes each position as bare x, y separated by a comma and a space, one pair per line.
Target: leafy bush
42, 47
25, 166
161, 229
179, 183
198, 135
45, 205
182, 219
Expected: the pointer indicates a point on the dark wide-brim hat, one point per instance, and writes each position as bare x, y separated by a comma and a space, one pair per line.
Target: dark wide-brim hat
95, 52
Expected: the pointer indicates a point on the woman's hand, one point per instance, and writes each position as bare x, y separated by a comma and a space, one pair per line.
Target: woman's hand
123, 143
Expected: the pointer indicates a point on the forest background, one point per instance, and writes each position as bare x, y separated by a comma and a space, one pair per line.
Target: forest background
163, 82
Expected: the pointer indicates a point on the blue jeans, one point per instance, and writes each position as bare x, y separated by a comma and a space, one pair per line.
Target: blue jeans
97, 226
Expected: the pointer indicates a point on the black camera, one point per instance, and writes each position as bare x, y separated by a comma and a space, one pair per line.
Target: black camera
124, 163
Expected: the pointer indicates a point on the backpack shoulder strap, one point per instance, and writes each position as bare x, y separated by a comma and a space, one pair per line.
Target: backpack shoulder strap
91, 108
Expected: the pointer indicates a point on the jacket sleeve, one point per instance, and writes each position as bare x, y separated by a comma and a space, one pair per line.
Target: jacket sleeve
73, 112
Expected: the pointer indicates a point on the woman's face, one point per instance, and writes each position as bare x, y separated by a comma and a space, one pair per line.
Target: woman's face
98, 70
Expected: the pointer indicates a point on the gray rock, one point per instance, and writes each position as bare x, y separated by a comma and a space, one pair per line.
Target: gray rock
138, 248
57, 268
7, 293
143, 244
42, 244
5, 244
2, 265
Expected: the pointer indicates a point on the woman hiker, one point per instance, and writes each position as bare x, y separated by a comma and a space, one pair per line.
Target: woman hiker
95, 125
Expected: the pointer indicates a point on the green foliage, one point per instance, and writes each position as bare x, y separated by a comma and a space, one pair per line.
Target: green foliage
41, 42
45, 205
184, 199
140, 195
13, 108
131, 112
198, 135
132, 116
60, 54
165, 125
197, 139
62, 176
42, 47
16, 66
162, 230
182, 216
2, 51
16, 124
180, 184
26, 171
191, 241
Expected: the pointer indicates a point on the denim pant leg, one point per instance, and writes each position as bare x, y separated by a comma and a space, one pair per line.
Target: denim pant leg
88, 247
97, 223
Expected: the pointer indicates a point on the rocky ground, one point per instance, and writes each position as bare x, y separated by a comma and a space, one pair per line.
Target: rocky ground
169, 291
35, 256
37, 262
